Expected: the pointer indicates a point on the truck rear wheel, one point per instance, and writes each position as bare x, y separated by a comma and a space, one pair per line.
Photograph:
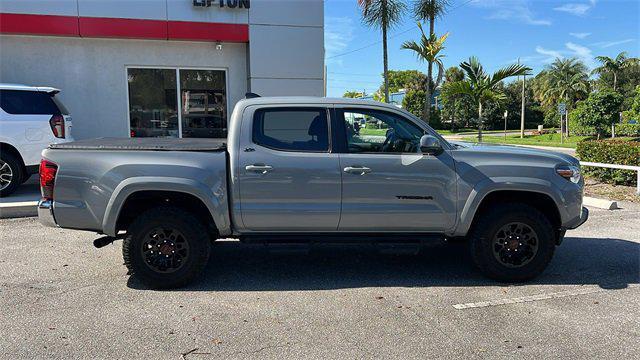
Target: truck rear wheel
166, 248
512, 242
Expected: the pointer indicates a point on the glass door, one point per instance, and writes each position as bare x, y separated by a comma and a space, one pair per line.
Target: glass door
153, 106
177, 103
203, 103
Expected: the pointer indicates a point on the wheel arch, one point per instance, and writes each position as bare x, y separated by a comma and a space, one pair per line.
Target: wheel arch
138, 194
6, 147
535, 195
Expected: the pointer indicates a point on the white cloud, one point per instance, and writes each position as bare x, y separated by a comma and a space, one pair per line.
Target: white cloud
577, 9
549, 55
570, 50
511, 10
338, 34
606, 44
581, 35
581, 52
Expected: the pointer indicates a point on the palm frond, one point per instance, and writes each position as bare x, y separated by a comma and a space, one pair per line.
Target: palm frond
426, 9
509, 71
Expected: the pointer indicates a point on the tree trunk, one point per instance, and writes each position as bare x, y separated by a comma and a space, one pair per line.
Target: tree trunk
386, 63
615, 81
426, 110
453, 116
480, 121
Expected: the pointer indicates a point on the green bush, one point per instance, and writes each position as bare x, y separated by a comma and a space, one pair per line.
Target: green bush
599, 111
610, 152
628, 130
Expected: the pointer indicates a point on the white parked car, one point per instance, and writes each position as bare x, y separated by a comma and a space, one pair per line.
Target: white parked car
31, 118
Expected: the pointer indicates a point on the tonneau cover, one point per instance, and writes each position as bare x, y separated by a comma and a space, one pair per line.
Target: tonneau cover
148, 144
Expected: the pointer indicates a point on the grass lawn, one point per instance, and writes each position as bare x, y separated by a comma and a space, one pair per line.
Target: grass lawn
379, 132
540, 140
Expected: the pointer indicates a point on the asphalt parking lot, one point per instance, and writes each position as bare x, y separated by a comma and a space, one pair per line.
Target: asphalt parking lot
61, 298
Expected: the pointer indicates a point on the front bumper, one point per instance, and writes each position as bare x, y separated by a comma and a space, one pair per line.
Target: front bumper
574, 223
45, 213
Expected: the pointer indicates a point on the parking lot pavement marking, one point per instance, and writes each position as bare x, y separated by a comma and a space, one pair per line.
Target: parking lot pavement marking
523, 299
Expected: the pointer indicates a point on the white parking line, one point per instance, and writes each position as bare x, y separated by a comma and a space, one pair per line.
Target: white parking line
517, 300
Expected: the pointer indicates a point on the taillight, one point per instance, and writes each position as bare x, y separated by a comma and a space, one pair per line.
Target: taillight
48, 172
57, 126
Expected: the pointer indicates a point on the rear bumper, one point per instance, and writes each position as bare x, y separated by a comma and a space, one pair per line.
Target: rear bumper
45, 213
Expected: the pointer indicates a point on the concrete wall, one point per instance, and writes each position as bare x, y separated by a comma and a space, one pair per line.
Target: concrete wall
286, 47
284, 56
92, 72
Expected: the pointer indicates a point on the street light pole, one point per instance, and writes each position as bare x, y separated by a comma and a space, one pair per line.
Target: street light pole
524, 77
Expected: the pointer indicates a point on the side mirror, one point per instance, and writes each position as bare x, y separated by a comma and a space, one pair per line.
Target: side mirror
430, 145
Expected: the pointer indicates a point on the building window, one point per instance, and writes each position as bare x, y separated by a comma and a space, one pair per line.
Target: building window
156, 109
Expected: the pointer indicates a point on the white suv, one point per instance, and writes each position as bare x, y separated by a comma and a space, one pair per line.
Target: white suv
31, 118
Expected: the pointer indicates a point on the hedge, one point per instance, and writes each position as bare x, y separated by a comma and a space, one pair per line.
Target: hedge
628, 130
621, 130
610, 152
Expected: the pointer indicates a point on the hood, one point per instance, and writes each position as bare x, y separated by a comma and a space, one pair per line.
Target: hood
514, 150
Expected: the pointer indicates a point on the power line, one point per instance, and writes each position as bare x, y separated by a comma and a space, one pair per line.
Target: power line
392, 36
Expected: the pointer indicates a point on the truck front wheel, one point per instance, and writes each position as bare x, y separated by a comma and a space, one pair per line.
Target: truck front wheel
166, 248
512, 242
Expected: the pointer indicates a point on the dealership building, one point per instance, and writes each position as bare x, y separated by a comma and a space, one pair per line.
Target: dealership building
162, 67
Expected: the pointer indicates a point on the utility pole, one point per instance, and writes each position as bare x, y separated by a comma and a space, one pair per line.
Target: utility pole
506, 113
324, 81
524, 77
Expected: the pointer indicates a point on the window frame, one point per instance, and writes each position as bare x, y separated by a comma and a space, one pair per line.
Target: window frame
178, 90
342, 129
322, 109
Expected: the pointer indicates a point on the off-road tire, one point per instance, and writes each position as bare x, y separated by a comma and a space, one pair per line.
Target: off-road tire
481, 241
194, 232
17, 169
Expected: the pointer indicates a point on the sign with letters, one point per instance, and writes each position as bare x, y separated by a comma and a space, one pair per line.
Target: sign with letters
240, 4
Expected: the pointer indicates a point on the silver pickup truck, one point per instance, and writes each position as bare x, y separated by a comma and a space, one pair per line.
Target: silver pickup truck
305, 169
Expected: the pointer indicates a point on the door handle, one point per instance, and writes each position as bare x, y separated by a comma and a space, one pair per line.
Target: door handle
360, 170
258, 168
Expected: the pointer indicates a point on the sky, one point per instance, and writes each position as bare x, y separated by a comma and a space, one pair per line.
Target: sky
498, 32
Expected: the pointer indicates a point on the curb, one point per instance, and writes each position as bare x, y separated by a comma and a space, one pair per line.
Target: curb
600, 203
18, 209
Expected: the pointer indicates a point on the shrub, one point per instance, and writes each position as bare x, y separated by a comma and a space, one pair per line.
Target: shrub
628, 130
610, 152
599, 111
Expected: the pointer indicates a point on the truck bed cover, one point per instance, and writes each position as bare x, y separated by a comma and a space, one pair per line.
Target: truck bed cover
144, 144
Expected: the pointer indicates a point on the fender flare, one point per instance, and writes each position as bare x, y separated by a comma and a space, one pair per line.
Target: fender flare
214, 199
491, 185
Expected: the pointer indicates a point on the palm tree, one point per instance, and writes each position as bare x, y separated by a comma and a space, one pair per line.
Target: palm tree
482, 87
566, 80
428, 49
382, 14
429, 11
614, 66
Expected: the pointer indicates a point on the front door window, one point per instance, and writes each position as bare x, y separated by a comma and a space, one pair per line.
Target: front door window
370, 131
177, 103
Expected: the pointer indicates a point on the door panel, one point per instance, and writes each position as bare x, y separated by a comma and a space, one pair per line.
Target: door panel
387, 183
288, 190
399, 192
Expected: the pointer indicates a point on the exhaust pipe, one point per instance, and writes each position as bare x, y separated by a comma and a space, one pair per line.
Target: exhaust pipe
104, 241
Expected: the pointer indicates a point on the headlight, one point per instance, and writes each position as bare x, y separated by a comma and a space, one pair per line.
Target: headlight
570, 172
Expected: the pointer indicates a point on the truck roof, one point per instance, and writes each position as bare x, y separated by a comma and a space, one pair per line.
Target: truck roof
313, 100
47, 89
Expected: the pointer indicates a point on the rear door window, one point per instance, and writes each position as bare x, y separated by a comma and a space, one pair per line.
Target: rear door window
292, 129
21, 102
